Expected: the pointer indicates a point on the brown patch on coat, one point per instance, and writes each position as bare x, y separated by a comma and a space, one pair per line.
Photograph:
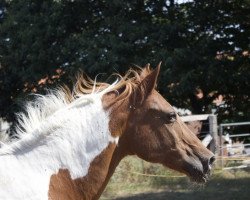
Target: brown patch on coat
63, 187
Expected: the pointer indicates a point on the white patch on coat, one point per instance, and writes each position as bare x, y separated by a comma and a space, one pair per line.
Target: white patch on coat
54, 135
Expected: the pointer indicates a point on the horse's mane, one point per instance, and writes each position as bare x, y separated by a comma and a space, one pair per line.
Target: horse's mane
83, 93
124, 86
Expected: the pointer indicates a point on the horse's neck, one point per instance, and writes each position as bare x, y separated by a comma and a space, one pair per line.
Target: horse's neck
71, 147
112, 157
92, 185
34, 169
102, 167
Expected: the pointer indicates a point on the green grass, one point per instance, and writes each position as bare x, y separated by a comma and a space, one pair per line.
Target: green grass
135, 179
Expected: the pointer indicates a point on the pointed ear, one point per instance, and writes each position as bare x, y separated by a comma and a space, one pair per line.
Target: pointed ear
147, 85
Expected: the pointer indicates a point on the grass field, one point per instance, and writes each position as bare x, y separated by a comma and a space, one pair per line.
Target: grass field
135, 179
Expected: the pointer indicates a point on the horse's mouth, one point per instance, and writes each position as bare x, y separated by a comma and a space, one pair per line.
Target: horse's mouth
195, 174
200, 179
197, 171
199, 176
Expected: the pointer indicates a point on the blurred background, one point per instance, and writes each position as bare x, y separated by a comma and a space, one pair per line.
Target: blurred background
205, 52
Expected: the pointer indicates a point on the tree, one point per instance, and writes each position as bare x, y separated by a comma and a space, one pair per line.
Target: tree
213, 57
203, 44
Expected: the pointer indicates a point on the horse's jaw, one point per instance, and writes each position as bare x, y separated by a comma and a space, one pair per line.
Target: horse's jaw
197, 169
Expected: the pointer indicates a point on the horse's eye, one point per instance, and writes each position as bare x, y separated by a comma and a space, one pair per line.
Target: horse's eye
172, 117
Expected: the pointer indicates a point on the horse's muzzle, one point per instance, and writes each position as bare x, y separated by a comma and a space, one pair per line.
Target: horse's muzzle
200, 171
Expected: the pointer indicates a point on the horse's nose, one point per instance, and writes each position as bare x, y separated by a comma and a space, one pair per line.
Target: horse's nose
207, 164
211, 160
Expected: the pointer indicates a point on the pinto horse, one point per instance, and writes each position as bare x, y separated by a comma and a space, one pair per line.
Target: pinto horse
70, 142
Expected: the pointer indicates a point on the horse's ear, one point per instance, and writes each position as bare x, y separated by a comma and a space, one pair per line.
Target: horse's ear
147, 85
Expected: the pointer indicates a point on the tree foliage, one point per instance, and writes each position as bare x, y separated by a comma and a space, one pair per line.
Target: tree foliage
203, 44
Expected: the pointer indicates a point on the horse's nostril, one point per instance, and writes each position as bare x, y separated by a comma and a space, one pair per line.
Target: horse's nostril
211, 160
208, 164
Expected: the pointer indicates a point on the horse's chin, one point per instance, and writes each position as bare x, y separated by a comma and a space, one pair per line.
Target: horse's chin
198, 176
200, 179
195, 172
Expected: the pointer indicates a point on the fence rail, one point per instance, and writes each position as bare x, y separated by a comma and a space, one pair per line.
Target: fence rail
235, 146
214, 138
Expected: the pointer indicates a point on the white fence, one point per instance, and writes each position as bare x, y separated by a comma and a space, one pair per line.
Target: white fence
237, 152
233, 155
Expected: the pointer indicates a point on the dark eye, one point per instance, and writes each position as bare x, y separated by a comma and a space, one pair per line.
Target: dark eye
172, 117
166, 117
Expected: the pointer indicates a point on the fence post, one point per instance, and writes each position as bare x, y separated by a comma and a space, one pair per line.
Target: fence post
213, 130
221, 146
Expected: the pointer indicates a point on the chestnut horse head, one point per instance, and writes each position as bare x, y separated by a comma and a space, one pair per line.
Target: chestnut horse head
155, 133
